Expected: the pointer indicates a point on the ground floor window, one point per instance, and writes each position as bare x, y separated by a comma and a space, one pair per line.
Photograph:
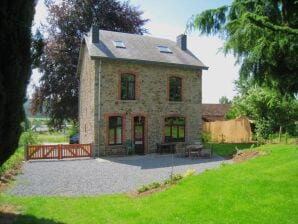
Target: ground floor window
174, 130
115, 130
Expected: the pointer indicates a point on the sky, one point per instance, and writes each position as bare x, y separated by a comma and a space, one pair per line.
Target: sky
168, 19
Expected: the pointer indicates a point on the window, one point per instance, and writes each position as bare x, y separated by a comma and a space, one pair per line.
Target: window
174, 130
164, 49
175, 89
119, 44
127, 87
115, 130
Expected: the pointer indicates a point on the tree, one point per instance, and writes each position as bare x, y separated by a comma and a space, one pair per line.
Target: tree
68, 21
224, 100
269, 109
262, 35
15, 70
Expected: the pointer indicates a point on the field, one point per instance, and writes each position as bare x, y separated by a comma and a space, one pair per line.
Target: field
261, 190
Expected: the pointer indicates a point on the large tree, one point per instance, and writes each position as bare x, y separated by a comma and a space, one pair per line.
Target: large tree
68, 21
15, 70
262, 35
270, 110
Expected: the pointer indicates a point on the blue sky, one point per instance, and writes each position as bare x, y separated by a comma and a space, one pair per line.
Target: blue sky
168, 19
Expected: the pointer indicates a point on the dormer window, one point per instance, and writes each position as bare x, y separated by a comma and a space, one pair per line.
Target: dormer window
119, 44
164, 49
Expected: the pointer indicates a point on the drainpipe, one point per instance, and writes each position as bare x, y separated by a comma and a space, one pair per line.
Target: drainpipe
98, 107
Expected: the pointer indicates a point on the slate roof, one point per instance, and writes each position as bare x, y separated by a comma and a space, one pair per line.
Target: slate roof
140, 48
214, 112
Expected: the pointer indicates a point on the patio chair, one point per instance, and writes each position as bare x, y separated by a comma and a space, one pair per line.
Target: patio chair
129, 147
194, 153
194, 149
158, 148
206, 153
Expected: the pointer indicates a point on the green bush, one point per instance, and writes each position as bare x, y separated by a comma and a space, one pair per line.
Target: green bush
74, 129
27, 138
174, 178
206, 137
13, 161
154, 185
143, 189
189, 172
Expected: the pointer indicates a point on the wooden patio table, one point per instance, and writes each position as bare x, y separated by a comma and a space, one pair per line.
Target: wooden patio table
169, 146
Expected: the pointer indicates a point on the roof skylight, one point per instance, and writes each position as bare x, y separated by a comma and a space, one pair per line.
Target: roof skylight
119, 44
164, 49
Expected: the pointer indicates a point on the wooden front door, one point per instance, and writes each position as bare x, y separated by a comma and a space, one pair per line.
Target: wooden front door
139, 134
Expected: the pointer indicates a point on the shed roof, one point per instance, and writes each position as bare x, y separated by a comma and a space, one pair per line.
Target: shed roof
213, 112
140, 48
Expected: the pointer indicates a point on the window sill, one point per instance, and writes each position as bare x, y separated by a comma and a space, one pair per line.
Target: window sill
176, 102
127, 101
116, 146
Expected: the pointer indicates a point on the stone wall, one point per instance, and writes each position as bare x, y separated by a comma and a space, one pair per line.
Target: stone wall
152, 102
87, 98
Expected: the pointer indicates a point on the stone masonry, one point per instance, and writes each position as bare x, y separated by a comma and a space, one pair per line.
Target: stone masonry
151, 102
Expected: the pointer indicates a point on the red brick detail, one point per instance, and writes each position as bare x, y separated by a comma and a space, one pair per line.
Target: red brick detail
137, 83
143, 114
106, 126
182, 87
163, 117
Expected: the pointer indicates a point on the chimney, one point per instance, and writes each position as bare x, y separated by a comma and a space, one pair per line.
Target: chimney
181, 42
95, 34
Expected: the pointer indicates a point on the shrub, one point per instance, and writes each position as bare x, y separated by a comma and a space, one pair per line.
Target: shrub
143, 189
206, 137
174, 178
27, 138
189, 173
13, 161
153, 185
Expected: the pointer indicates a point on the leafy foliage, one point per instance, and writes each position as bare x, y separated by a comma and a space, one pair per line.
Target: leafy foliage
269, 109
15, 70
224, 100
262, 35
68, 21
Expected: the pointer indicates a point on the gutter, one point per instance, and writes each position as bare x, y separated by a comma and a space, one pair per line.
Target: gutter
152, 62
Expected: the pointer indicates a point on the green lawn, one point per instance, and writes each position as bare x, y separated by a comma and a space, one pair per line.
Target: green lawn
227, 149
262, 190
51, 137
13, 161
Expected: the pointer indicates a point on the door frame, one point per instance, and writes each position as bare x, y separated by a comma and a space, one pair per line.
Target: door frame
133, 115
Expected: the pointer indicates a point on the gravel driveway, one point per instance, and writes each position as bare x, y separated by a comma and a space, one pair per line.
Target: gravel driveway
103, 175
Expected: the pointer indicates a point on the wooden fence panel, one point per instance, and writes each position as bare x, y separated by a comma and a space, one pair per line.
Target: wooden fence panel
231, 131
58, 151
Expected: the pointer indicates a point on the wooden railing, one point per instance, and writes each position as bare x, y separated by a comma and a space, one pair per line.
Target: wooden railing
58, 151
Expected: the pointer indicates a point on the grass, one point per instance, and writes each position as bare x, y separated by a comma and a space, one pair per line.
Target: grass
262, 190
13, 161
52, 137
226, 149
284, 139
38, 138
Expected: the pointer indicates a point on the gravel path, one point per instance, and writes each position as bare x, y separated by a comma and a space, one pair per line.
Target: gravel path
101, 176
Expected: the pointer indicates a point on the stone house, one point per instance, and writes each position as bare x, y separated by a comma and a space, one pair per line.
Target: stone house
140, 89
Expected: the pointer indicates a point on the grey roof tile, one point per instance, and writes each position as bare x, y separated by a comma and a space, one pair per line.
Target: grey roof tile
140, 48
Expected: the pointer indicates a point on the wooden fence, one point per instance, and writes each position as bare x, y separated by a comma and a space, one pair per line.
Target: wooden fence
231, 131
58, 151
